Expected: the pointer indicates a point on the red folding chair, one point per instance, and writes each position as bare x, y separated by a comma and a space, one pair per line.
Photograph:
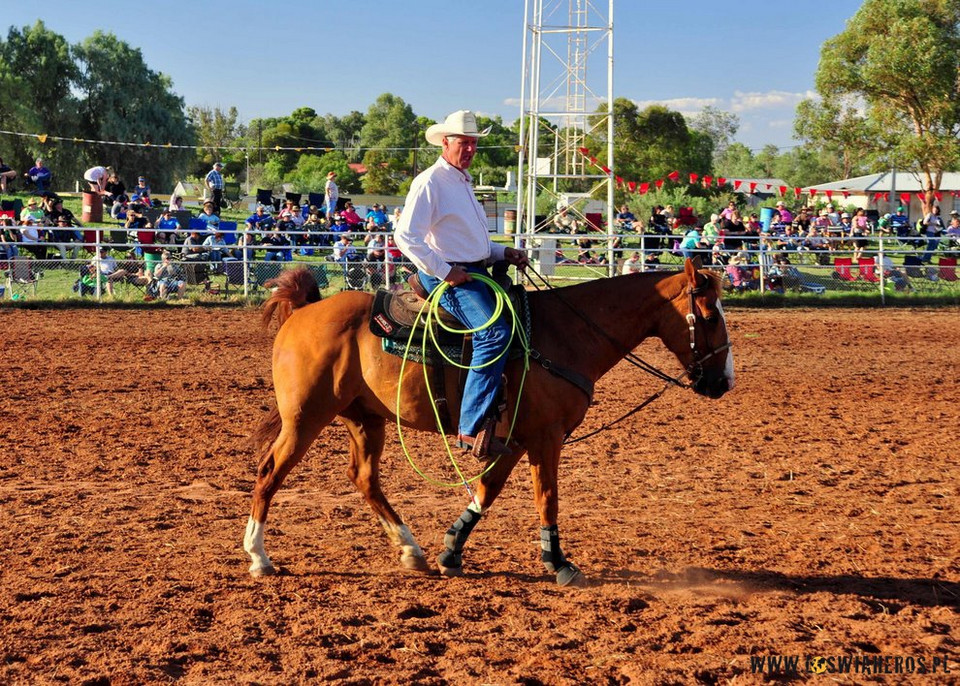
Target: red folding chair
868, 269
843, 268
948, 268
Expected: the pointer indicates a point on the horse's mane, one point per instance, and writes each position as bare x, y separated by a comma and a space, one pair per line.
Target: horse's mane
292, 289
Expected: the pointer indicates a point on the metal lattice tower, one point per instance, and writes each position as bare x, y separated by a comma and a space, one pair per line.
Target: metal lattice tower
567, 96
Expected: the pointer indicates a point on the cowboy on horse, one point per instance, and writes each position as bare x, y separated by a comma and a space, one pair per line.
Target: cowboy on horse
443, 231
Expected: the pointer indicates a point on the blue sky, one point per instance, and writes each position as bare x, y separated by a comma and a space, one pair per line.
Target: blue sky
754, 58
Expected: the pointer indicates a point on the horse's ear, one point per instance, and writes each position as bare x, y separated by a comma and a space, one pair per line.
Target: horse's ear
691, 267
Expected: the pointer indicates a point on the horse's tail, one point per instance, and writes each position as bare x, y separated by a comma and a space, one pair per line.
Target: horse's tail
293, 289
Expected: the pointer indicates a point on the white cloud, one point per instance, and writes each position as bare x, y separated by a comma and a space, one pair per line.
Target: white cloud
744, 102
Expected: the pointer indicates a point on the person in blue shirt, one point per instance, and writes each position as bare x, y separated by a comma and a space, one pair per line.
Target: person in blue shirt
208, 216
166, 226
214, 182
900, 223
39, 175
625, 219
377, 214
260, 220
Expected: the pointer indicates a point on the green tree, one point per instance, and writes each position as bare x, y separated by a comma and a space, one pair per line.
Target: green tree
838, 129
652, 143
719, 126
45, 74
902, 57
344, 133
387, 136
738, 161
216, 130
310, 174
124, 100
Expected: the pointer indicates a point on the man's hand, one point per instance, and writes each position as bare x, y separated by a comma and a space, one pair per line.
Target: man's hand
517, 258
457, 276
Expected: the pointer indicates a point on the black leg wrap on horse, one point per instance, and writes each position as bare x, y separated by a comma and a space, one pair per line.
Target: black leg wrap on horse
456, 537
550, 552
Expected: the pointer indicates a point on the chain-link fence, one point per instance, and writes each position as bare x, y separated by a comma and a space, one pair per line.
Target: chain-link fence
131, 270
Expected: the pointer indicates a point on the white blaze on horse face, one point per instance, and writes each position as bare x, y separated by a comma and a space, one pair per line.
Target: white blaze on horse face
728, 370
253, 544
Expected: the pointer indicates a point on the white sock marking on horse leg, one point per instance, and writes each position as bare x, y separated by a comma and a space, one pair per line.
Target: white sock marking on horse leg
402, 536
728, 370
253, 544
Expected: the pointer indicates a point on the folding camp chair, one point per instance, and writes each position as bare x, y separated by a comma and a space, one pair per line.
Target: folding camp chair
232, 194
265, 198
913, 266
842, 269
21, 279
295, 197
948, 269
316, 199
867, 267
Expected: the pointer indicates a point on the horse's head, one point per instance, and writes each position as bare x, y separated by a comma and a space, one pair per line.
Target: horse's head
699, 337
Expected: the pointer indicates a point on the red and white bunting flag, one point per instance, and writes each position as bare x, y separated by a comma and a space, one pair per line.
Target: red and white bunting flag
846, 194
605, 168
904, 198
693, 178
938, 195
658, 183
584, 151
782, 189
644, 187
829, 194
797, 192
674, 176
707, 180
753, 186
632, 186
721, 181
812, 192
921, 197
737, 183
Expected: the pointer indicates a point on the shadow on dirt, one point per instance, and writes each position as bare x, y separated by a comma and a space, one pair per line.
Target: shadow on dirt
894, 593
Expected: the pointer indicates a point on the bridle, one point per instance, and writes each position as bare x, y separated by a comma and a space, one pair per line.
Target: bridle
694, 370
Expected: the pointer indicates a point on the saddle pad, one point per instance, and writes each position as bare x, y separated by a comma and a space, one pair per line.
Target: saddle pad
451, 344
393, 316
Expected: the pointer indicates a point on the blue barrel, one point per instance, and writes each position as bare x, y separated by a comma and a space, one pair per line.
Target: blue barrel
766, 217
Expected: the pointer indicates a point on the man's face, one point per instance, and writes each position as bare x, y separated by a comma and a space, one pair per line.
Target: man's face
459, 150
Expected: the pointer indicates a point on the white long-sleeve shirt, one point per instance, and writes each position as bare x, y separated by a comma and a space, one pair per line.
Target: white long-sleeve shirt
443, 222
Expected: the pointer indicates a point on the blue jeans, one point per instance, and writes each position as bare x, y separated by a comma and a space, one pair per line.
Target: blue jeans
932, 244
473, 304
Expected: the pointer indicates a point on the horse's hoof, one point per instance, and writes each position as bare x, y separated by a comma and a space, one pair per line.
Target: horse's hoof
571, 577
450, 572
412, 563
257, 572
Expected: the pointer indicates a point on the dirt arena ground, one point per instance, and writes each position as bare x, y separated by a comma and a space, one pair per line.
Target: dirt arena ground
811, 512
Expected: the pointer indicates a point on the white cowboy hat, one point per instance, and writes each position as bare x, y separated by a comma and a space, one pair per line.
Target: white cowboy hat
460, 123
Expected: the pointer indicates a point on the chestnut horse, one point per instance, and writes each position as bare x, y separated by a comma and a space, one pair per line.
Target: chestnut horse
327, 364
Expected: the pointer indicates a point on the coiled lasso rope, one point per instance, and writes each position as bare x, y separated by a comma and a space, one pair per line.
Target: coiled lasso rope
429, 313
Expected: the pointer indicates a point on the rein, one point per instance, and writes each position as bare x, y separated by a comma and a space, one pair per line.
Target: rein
693, 371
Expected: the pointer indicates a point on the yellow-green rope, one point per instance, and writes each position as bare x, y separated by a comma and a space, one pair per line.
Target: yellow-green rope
432, 307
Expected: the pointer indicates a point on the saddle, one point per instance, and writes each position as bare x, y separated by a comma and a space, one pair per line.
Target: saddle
394, 315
